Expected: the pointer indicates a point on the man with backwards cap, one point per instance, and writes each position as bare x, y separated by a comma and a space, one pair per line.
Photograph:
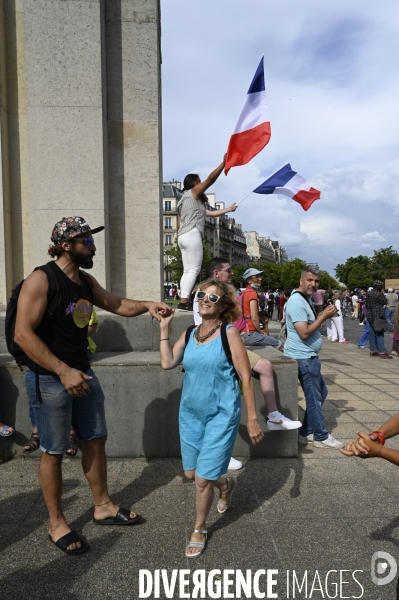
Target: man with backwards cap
253, 335
69, 391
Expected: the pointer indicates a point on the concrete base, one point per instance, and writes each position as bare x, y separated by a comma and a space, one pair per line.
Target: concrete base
142, 405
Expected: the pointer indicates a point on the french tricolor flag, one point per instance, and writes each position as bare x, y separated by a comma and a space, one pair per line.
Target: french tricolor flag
287, 182
252, 132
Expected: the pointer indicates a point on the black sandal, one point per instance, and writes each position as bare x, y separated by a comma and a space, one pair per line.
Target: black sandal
73, 447
33, 444
68, 539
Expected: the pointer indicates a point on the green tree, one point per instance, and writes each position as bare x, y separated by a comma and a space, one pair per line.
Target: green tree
174, 262
326, 280
359, 277
271, 274
343, 271
385, 264
360, 271
291, 272
237, 278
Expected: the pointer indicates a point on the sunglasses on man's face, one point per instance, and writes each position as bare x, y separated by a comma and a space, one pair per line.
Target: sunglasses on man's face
211, 297
88, 242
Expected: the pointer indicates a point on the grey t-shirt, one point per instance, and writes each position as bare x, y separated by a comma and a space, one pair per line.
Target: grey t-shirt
391, 300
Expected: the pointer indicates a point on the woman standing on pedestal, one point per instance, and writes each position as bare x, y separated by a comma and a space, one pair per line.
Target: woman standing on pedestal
191, 225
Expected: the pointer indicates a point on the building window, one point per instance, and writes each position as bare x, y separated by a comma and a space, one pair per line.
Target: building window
168, 239
168, 205
168, 223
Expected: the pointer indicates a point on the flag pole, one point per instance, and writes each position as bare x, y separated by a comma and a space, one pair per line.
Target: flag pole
244, 198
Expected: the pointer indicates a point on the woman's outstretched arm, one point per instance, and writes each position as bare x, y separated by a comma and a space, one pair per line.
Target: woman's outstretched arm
170, 357
201, 188
221, 211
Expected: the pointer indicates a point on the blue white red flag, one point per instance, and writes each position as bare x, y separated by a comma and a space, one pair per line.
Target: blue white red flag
287, 182
252, 131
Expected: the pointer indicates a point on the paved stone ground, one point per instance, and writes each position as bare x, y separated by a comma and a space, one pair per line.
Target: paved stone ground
319, 512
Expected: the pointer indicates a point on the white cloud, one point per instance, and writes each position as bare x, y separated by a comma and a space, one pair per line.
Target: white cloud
333, 106
373, 236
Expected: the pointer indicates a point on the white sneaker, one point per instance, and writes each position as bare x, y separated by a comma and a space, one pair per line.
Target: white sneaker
330, 442
305, 440
234, 465
283, 424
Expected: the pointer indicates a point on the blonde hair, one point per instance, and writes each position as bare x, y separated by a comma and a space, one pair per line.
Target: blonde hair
231, 310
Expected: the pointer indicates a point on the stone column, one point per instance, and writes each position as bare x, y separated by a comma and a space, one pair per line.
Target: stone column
64, 89
134, 130
80, 127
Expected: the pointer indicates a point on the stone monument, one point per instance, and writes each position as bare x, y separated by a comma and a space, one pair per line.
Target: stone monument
80, 134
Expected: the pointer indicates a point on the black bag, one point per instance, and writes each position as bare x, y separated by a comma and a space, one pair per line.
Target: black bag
11, 313
381, 324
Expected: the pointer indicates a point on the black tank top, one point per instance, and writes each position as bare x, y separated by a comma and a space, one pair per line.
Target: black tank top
65, 331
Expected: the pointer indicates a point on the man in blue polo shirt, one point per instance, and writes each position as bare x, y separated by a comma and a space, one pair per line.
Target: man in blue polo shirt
303, 344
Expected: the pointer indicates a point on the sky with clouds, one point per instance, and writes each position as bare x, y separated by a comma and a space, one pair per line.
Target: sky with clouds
331, 73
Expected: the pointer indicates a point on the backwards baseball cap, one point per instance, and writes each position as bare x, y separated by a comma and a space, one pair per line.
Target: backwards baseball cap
70, 227
377, 282
250, 272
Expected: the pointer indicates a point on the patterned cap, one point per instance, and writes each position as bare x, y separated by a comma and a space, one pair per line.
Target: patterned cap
70, 227
377, 282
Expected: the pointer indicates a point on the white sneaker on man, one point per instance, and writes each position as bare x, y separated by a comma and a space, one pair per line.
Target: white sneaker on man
234, 465
283, 424
305, 440
330, 442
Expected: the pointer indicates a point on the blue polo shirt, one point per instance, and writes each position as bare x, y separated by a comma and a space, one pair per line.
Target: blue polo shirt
299, 310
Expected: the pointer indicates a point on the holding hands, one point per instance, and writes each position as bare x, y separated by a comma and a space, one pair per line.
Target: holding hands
366, 446
158, 310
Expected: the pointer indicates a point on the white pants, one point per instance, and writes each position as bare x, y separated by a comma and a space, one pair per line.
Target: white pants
329, 329
190, 244
337, 327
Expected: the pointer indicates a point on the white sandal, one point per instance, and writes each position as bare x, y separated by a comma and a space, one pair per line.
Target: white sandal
222, 505
199, 545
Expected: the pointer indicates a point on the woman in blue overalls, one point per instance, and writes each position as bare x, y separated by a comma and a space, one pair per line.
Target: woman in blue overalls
210, 404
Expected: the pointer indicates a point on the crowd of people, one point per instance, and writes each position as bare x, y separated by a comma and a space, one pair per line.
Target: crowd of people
66, 402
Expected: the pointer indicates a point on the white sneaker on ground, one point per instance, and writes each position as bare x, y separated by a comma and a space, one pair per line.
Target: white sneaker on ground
234, 465
283, 424
305, 440
330, 442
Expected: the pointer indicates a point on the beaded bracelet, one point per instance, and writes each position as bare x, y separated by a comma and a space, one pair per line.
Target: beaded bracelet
380, 435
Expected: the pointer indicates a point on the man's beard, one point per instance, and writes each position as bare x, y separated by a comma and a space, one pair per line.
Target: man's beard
81, 260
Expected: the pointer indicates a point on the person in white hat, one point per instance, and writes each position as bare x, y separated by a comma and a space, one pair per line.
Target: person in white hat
253, 334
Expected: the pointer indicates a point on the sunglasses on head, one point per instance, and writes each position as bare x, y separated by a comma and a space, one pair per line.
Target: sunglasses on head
86, 241
211, 297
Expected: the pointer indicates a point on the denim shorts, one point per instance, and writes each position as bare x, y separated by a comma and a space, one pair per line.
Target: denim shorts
258, 339
58, 410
